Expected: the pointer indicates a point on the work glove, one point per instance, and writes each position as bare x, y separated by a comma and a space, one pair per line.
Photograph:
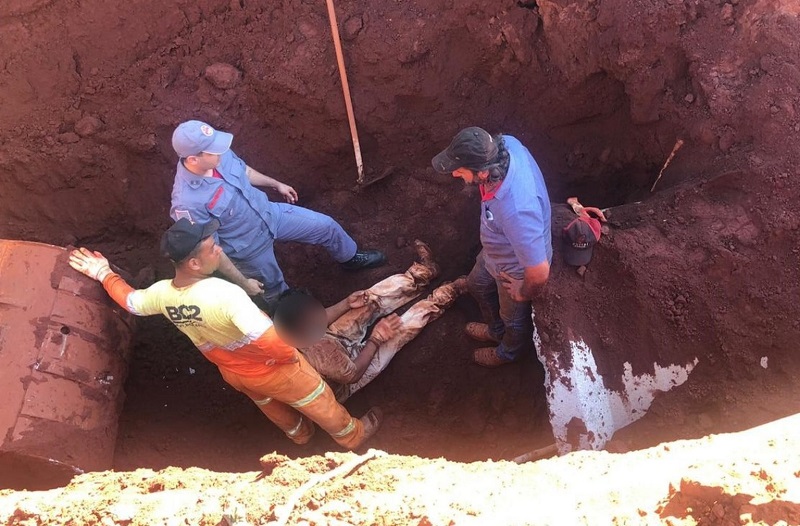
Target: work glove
386, 329
88, 263
358, 299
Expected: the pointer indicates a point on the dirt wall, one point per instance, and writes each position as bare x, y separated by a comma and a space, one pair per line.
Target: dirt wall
600, 90
91, 92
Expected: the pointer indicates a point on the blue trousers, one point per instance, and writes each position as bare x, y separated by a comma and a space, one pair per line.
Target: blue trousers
293, 223
509, 321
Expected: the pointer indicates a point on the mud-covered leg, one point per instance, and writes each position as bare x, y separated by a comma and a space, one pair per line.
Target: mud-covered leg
413, 321
387, 295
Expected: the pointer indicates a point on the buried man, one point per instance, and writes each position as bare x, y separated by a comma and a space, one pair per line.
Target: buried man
230, 331
515, 233
212, 182
332, 339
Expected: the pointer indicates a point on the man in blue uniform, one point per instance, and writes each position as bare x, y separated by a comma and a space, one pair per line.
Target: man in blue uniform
212, 182
515, 233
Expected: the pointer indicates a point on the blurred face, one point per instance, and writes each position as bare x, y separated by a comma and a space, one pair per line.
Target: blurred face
471, 177
311, 329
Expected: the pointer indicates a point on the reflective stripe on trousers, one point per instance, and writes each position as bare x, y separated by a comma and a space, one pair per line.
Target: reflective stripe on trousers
296, 429
298, 388
347, 429
265, 401
316, 393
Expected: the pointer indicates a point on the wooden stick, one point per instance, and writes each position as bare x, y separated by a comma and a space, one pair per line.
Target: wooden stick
344, 470
537, 454
337, 44
675, 149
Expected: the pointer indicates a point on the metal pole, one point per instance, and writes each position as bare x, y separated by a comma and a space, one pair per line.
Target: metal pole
337, 44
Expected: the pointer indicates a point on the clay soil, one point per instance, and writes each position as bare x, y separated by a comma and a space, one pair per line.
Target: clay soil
705, 267
683, 483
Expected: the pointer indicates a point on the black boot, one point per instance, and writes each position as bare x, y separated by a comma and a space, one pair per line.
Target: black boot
365, 259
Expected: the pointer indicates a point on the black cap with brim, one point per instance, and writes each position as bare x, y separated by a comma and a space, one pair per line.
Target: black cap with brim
443, 163
473, 148
210, 228
183, 237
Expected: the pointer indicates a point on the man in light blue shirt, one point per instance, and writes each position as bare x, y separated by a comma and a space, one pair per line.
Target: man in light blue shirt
515, 233
212, 182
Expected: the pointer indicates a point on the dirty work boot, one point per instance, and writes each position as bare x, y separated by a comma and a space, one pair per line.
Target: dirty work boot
446, 294
425, 255
427, 269
365, 259
480, 332
487, 357
372, 421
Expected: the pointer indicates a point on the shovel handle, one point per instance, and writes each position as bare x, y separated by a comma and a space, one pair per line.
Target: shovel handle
337, 45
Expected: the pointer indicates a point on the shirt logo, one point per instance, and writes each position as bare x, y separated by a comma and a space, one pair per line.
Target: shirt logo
183, 214
207, 130
185, 315
580, 243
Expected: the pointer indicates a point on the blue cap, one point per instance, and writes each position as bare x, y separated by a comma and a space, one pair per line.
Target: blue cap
193, 137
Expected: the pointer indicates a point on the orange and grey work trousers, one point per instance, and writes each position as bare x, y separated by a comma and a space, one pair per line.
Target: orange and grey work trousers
292, 391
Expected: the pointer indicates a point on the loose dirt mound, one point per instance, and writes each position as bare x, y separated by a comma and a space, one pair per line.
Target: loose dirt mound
745, 478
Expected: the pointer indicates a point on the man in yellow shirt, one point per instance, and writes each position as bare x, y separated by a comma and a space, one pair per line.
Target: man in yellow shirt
229, 330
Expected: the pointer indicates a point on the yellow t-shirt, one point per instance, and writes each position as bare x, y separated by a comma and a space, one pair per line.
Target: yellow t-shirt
220, 319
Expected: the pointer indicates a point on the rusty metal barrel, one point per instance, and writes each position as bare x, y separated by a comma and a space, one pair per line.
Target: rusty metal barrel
64, 349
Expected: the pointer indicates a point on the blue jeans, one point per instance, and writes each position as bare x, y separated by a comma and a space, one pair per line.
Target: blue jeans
509, 321
302, 225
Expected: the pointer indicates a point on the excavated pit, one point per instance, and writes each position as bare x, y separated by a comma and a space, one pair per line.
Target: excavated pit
702, 270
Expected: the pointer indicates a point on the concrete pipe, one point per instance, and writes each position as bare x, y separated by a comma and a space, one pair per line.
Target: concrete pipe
64, 349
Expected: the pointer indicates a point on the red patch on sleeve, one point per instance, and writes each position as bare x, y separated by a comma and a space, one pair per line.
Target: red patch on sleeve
216, 197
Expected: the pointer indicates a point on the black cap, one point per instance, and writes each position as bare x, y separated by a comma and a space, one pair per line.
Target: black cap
182, 237
472, 148
580, 237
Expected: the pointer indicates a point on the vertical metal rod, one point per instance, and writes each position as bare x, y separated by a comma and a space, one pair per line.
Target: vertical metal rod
337, 44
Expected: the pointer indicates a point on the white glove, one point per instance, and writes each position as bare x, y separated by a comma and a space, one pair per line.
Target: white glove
92, 264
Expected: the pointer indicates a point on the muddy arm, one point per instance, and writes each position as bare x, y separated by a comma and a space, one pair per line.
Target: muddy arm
527, 288
363, 360
336, 311
385, 330
535, 278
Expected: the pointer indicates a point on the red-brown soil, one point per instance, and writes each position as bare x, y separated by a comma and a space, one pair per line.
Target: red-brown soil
726, 479
598, 89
